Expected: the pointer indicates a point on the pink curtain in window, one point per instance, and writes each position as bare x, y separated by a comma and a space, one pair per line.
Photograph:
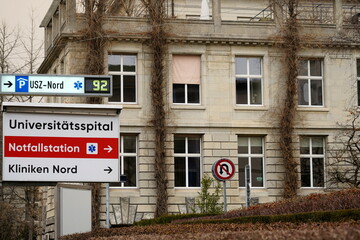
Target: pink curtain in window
186, 69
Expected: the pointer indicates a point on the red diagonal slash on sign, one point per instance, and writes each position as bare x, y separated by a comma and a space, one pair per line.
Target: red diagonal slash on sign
222, 167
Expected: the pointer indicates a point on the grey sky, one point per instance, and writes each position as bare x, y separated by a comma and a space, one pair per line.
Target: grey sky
17, 13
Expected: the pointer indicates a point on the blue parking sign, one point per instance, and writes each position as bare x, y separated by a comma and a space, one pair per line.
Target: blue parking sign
21, 83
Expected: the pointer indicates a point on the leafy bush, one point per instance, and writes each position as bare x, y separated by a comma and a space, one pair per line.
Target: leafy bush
347, 199
169, 218
322, 216
208, 202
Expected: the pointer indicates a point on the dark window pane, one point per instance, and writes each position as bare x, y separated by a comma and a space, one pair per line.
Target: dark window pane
305, 172
179, 145
256, 145
318, 172
194, 171
129, 64
358, 67
255, 91
315, 67
317, 145
114, 62
130, 171
358, 92
303, 92
129, 144
193, 93
256, 172
255, 66
241, 91
180, 174
116, 89
241, 66
129, 89
316, 92
242, 161
193, 145
243, 145
179, 93
303, 68
304, 145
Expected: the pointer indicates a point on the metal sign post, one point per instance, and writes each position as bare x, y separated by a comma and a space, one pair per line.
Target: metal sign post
223, 170
225, 203
247, 184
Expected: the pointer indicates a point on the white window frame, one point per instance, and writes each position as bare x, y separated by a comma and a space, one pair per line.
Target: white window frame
186, 94
187, 155
186, 84
248, 76
311, 156
250, 155
121, 73
122, 155
310, 78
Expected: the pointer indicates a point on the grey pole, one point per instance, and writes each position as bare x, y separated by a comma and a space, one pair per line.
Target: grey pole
225, 204
107, 206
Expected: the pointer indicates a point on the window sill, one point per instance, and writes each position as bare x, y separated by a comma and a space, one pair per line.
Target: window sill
312, 109
188, 107
131, 106
250, 108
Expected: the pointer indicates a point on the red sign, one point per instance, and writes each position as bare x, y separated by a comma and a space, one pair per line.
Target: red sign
223, 169
60, 147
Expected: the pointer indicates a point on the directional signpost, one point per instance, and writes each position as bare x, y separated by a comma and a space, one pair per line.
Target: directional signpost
50, 147
64, 85
222, 170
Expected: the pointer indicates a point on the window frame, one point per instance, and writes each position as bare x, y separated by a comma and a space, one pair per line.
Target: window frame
187, 155
311, 156
122, 155
123, 73
249, 156
186, 92
248, 77
309, 79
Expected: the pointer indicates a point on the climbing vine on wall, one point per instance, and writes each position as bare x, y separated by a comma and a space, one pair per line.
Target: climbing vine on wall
157, 44
96, 40
286, 127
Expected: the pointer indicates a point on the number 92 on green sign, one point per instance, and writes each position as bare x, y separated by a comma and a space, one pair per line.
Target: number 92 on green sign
97, 85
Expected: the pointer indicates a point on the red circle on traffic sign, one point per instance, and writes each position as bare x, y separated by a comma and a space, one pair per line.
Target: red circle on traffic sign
223, 169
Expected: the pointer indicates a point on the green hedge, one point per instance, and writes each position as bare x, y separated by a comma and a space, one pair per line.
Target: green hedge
321, 216
169, 218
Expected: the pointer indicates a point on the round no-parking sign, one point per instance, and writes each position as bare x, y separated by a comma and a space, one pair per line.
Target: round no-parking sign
223, 169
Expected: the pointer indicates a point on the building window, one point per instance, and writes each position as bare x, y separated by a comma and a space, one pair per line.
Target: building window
310, 82
186, 79
123, 70
251, 152
249, 80
128, 160
312, 156
358, 79
187, 157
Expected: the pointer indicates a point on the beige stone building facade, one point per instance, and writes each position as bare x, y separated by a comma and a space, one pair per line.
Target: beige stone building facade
225, 86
